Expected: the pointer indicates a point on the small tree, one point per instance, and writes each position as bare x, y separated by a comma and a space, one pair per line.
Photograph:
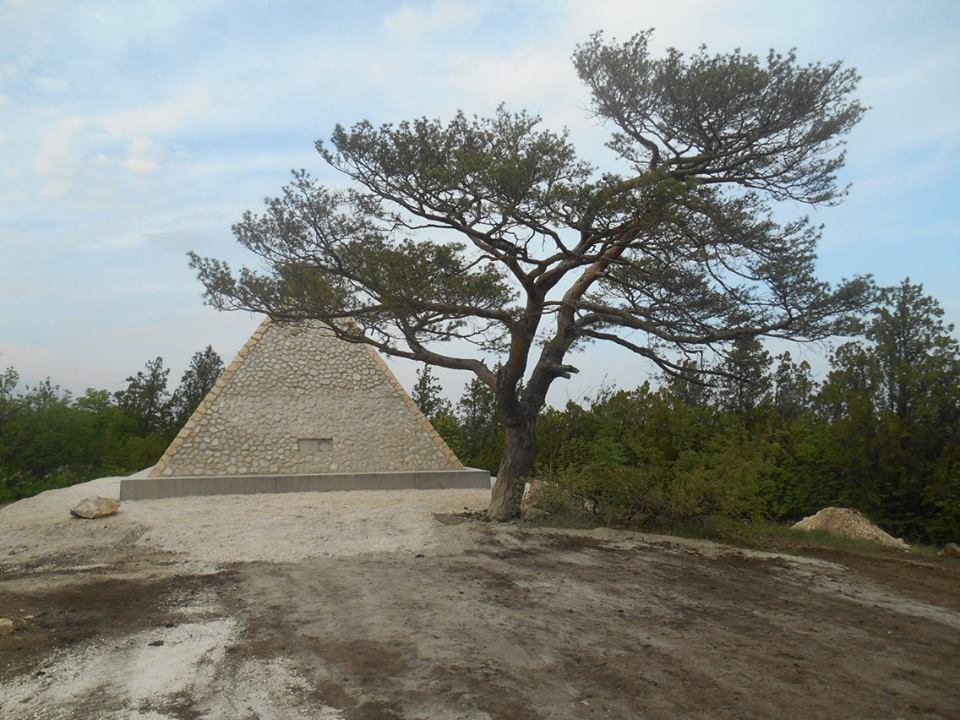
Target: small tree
147, 399
671, 252
198, 379
892, 403
8, 383
480, 423
745, 383
916, 355
793, 387
428, 395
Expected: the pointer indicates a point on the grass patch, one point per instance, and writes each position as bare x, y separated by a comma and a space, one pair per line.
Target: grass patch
755, 535
765, 535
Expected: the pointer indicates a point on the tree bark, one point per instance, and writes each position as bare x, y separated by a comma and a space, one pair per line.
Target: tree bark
519, 448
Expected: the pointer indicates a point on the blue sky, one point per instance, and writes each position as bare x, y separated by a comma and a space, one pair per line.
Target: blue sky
131, 133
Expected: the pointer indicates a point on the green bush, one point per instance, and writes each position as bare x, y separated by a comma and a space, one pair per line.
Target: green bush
694, 488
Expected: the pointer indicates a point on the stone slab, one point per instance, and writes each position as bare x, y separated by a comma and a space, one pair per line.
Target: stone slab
155, 488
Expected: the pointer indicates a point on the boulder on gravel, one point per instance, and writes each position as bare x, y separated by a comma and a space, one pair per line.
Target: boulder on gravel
95, 507
951, 550
849, 522
6, 626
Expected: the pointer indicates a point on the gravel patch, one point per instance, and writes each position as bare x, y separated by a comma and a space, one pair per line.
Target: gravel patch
284, 527
849, 522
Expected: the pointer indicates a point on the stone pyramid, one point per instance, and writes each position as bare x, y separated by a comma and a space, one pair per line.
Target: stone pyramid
300, 409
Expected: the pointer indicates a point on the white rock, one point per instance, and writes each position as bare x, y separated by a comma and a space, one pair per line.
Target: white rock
95, 507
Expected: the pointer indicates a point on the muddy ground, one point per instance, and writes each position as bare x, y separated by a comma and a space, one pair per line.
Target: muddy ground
489, 622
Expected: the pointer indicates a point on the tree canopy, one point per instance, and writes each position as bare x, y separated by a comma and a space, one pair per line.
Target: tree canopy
492, 231
197, 380
49, 439
146, 397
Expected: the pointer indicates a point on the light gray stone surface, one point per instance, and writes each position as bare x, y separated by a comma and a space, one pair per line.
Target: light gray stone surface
167, 487
296, 401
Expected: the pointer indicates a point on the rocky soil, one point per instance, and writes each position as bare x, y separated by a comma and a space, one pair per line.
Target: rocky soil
391, 605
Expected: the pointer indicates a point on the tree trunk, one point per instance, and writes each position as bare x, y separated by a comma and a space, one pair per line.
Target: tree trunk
519, 448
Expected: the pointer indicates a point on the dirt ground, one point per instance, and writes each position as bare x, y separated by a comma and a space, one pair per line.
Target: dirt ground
465, 620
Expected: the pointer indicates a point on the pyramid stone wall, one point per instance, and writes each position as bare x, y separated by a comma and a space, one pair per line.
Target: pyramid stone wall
297, 400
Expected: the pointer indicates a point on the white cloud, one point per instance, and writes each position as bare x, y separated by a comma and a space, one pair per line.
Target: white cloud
160, 118
409, 21
539, 79
540, 75
177, 118
13, 69
142, 156
26, 37
58, 158
527, 75
684, 23
378, 69
50, 83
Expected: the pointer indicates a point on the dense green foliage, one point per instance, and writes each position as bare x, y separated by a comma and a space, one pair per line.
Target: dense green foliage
881, 433
49, 438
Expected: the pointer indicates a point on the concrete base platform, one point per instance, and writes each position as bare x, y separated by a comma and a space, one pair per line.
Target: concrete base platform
168, 487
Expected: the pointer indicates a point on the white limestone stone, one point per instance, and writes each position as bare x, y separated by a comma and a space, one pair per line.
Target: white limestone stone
300, 382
